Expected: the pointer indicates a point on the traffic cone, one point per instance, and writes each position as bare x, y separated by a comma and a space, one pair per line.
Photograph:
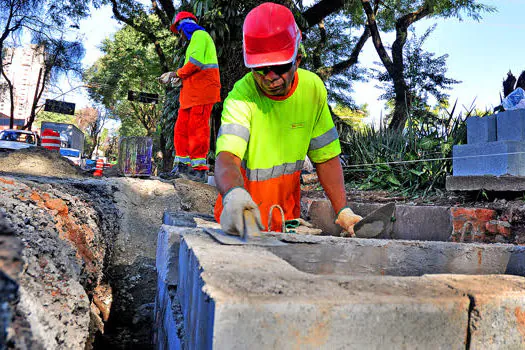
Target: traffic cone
98, 168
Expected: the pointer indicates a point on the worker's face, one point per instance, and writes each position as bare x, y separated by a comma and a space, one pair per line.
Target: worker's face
276, 80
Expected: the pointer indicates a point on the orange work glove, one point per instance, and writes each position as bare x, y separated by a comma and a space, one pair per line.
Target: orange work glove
347, 219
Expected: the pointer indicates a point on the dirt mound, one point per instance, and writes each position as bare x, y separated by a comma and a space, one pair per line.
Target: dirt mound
67, 229
38, 161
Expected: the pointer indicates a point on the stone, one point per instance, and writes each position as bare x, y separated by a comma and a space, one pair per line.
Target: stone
511, 125
493, 158
481, 129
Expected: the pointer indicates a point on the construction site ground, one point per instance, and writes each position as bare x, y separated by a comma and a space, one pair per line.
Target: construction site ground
86, 273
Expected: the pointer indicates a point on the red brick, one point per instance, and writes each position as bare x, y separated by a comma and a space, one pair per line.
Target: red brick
472, 223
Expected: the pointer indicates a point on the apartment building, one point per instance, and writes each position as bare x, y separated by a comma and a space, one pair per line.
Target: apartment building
22, 66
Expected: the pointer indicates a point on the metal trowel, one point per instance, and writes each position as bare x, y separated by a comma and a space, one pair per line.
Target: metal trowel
250, 235
376, 223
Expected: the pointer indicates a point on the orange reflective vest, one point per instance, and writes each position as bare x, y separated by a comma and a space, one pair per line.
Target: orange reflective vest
201, 82
272, 137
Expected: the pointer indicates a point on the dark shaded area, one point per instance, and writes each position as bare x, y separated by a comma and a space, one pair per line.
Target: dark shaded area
131, 318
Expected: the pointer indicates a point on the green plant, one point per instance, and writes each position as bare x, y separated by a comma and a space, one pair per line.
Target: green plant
413, 162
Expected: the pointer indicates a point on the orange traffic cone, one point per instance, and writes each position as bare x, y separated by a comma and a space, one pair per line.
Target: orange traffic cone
98, 168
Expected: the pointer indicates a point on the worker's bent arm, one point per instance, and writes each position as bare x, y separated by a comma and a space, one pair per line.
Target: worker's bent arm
330, 175
227, 172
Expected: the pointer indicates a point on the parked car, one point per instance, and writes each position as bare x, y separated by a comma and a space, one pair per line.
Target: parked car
12, 139
72, 154
89, 164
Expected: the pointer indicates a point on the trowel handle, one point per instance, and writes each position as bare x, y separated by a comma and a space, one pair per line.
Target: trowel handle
250, 225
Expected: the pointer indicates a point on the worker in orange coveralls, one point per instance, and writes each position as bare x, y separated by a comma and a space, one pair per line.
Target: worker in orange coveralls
274, 117
200, 91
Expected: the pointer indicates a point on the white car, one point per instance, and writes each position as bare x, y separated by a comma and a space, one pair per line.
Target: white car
72, 154
17, 139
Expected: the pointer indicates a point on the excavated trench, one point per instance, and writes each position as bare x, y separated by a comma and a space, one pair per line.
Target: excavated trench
87, 277
80, 252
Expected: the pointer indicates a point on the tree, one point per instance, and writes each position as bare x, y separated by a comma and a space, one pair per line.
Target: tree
46, 21
91, 121
129, 64
403, 14
352, 116
223, 19
60, 57
334, 57
425, 76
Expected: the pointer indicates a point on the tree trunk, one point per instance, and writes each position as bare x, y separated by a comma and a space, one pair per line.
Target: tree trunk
395, 66
11, 98
29, 124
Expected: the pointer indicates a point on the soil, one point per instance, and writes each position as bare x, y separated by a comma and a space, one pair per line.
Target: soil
88, 278
38, 161
509, 206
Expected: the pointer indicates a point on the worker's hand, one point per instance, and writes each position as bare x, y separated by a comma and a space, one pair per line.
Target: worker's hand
235, 202
166, 77
176, 82
347, 219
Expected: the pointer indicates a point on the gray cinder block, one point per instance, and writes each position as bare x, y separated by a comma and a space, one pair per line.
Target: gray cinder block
481, 129
492, 158
511, 125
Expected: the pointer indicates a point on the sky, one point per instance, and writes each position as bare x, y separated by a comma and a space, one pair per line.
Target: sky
480, 54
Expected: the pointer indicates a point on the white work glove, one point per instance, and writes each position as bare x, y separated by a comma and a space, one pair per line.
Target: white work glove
166, 77
347, 219
235, 202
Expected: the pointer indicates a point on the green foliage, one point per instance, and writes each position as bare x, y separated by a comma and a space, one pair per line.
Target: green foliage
425, 75
394, 9
55, 118
328, 47
351, 116
414, 162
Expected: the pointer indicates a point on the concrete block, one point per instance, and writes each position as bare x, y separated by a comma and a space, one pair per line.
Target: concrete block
511, 125
411, 222
422, 223
337, 293
489, 183
497, 310
166, 336
167, 261
493, 158
250, 299
481, 129
322, 216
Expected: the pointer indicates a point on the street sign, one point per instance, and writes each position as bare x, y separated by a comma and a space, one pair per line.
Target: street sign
59, 107
143, 97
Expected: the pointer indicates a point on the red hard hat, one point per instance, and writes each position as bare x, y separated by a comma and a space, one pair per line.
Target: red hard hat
179, 17
270, 36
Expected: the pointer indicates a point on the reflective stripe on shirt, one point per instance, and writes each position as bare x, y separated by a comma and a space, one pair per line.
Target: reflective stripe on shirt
273, 172
202, 65
324, 139
235, 129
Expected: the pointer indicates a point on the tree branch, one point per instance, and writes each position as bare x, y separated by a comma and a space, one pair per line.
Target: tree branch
376, 36
169, 9
141, 29
320, 46
327, 72
319, 11
161, 14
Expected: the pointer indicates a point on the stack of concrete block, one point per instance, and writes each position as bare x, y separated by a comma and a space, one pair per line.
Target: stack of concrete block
495, 146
